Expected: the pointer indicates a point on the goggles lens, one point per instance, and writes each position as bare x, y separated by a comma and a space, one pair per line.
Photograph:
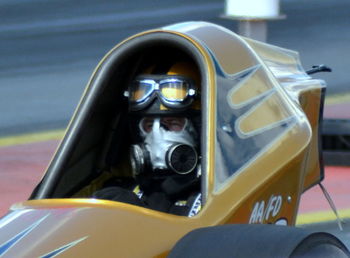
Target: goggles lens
174, 90
141, 90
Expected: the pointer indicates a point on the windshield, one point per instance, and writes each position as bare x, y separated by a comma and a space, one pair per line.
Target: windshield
250, 117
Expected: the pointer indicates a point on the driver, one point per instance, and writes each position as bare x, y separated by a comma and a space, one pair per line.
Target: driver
165, 159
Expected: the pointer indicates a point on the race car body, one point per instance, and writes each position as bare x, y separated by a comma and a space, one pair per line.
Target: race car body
260, 150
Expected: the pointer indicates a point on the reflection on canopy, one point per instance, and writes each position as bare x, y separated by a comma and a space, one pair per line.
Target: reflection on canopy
234, 147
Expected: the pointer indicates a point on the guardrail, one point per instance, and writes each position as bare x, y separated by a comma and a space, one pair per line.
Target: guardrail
336, 142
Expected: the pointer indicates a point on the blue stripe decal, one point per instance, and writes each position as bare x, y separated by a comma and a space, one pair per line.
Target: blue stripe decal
6, 246
62, 249
11, 216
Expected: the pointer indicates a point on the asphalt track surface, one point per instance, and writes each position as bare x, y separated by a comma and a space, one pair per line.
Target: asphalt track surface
49, 49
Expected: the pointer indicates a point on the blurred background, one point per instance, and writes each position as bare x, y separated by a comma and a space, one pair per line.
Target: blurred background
49, 48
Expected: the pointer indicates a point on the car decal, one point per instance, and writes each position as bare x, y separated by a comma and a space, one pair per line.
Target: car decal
196, 206
63, 248
265, 211
10, 243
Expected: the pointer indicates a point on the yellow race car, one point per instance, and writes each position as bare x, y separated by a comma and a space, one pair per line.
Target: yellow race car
258, 115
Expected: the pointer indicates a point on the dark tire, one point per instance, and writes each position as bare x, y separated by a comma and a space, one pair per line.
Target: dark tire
320, 245
257, 241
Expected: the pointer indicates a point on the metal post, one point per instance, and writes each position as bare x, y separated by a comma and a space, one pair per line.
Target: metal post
255, 29
253, 16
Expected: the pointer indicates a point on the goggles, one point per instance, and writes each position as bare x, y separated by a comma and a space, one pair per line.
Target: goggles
173, 91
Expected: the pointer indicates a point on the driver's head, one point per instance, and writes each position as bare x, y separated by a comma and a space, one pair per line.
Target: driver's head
163, 107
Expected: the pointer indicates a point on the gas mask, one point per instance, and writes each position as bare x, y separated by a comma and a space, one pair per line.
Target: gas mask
168, 145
